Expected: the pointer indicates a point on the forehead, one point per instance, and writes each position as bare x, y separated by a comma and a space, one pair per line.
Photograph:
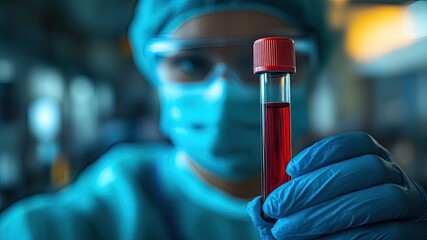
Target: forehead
230, 24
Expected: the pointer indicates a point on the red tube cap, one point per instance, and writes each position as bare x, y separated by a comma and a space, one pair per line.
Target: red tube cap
275, 54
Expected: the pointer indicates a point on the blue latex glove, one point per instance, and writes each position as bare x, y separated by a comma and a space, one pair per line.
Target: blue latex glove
344, 187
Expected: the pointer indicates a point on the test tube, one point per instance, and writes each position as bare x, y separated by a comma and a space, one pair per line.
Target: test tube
274, 61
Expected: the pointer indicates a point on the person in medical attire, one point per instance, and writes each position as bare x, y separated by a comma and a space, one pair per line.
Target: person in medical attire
205, 183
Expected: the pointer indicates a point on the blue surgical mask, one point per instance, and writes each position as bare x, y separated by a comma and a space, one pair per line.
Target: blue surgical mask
215, 122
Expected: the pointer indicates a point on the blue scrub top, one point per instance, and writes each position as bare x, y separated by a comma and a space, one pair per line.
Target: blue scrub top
133, 192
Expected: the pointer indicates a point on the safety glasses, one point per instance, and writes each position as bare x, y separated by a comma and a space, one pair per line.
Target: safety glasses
189, 61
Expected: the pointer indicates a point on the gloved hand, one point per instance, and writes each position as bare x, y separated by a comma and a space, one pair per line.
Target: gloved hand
344, 187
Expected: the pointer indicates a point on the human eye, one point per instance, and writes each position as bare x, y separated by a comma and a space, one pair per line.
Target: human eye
190, 67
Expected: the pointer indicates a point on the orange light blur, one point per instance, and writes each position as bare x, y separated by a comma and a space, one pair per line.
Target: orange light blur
60, 172
337, 13
376, 31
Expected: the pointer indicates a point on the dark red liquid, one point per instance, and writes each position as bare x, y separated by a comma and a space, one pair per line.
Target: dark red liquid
277, 150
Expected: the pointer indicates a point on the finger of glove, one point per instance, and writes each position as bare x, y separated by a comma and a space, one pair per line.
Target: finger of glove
376, 204
254, 211
329, 182
335, 149
409, 229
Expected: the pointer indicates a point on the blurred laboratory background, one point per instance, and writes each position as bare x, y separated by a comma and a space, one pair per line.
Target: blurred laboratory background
69, 90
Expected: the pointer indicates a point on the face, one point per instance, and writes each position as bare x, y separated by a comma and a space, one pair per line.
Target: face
238, 30
209, 96
203, 42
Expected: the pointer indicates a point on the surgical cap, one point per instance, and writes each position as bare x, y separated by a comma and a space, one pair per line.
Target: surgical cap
160, 17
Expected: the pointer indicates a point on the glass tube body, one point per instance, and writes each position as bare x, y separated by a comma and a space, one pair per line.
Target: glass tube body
276, 130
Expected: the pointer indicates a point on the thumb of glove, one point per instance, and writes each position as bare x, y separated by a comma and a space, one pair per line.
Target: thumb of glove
264, 227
